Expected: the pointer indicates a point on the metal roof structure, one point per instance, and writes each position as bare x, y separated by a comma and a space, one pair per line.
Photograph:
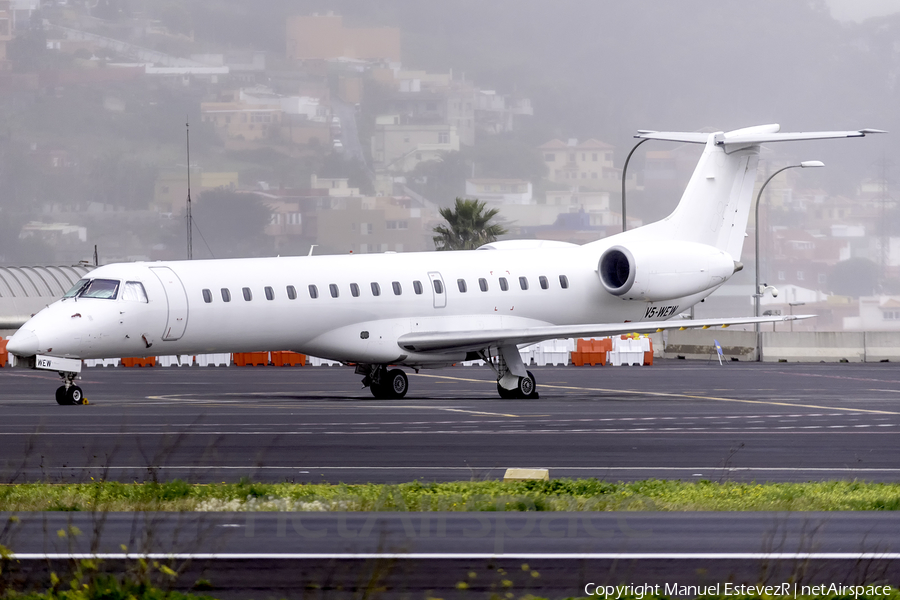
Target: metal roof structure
31, 282
26, 290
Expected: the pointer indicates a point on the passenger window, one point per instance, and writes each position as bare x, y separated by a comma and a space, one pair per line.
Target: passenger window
503, 284
313, 292
354, 290
438, 286
270, 293
333, 288
544, 283
292, 292
563, 281
523, 283
417, 287
247, 295
376, 289
482, 283
461, 283
134, 292
397, 289
207, 296
226, 295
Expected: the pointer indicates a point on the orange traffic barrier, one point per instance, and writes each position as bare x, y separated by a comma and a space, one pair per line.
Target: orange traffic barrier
284, 358
251, 359
648, 356
149, 361
591, 352
4, 355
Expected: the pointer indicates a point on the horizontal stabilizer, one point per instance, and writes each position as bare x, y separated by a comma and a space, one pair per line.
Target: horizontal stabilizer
450, 341
751, 135
675, 136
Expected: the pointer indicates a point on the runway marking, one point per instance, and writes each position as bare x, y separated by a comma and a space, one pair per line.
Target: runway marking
460, 410
463, 555
692, 396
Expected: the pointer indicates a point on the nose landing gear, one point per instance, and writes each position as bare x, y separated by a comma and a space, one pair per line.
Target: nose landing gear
69, 393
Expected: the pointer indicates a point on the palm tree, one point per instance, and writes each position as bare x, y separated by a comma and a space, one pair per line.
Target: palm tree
469, 226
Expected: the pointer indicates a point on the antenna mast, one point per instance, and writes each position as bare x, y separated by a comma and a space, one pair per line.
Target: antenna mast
188, 217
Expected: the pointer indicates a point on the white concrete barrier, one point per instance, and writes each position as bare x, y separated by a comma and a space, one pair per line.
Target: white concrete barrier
315, 361
813, 346
181, 360
216, 360
699, 344
102, 362
880, 346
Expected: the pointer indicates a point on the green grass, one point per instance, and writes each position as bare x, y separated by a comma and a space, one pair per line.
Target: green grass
557, 495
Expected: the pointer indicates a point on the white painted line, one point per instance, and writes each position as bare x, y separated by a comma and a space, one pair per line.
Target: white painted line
467, 556
470, 467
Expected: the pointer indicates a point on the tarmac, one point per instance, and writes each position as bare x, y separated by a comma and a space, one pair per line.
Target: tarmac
674, 420
683, 420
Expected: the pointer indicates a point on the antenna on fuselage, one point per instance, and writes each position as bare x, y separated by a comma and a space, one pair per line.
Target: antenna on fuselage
188, 217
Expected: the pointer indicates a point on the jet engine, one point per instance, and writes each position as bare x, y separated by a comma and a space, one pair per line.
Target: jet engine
653, 271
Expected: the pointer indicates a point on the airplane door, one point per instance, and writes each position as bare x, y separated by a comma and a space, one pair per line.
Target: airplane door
177, 301
438, 289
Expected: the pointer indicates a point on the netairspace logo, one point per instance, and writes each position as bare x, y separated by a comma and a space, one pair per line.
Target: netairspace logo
639, 591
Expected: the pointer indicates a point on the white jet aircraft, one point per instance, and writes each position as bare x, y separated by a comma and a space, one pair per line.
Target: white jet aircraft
426, 309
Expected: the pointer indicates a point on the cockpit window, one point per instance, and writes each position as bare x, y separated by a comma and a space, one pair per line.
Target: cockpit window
134, 292
105, 289
76, 288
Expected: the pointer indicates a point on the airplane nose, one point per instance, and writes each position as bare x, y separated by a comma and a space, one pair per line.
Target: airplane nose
23, 343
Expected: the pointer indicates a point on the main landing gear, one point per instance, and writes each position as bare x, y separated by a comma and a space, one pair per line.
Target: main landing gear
383, 383
513, 381
68, 392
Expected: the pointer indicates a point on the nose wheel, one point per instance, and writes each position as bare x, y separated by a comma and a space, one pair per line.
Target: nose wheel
69, 393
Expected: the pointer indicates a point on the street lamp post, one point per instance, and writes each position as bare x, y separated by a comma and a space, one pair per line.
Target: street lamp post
791, 305
757, 292
624, 169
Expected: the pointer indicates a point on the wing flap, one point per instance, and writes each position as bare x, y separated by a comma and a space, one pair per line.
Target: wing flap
448, 341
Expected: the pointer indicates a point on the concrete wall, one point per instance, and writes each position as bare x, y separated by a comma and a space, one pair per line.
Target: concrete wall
882, 345
873, 346
813, 346
699, 344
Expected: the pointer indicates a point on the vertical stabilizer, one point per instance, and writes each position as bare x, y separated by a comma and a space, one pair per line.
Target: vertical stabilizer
716, 203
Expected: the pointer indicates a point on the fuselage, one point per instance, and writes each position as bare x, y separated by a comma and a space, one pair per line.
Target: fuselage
351, 308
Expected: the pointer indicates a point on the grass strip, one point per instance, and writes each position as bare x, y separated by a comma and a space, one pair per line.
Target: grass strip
556, 495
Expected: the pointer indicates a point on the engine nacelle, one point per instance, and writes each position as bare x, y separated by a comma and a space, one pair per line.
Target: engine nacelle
653, 271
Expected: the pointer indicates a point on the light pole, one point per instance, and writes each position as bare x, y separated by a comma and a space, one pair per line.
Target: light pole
624, 169
757, 292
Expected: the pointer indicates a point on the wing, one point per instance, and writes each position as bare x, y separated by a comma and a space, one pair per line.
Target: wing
449, 341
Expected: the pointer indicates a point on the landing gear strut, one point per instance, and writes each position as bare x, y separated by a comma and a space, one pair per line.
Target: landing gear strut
68, 392
513, 381
383, 383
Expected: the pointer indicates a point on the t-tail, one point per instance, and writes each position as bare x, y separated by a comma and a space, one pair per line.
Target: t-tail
715, 206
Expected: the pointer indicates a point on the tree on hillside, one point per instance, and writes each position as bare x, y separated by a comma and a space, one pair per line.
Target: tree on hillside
853, 277
232, 224
441, 179
468, 226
